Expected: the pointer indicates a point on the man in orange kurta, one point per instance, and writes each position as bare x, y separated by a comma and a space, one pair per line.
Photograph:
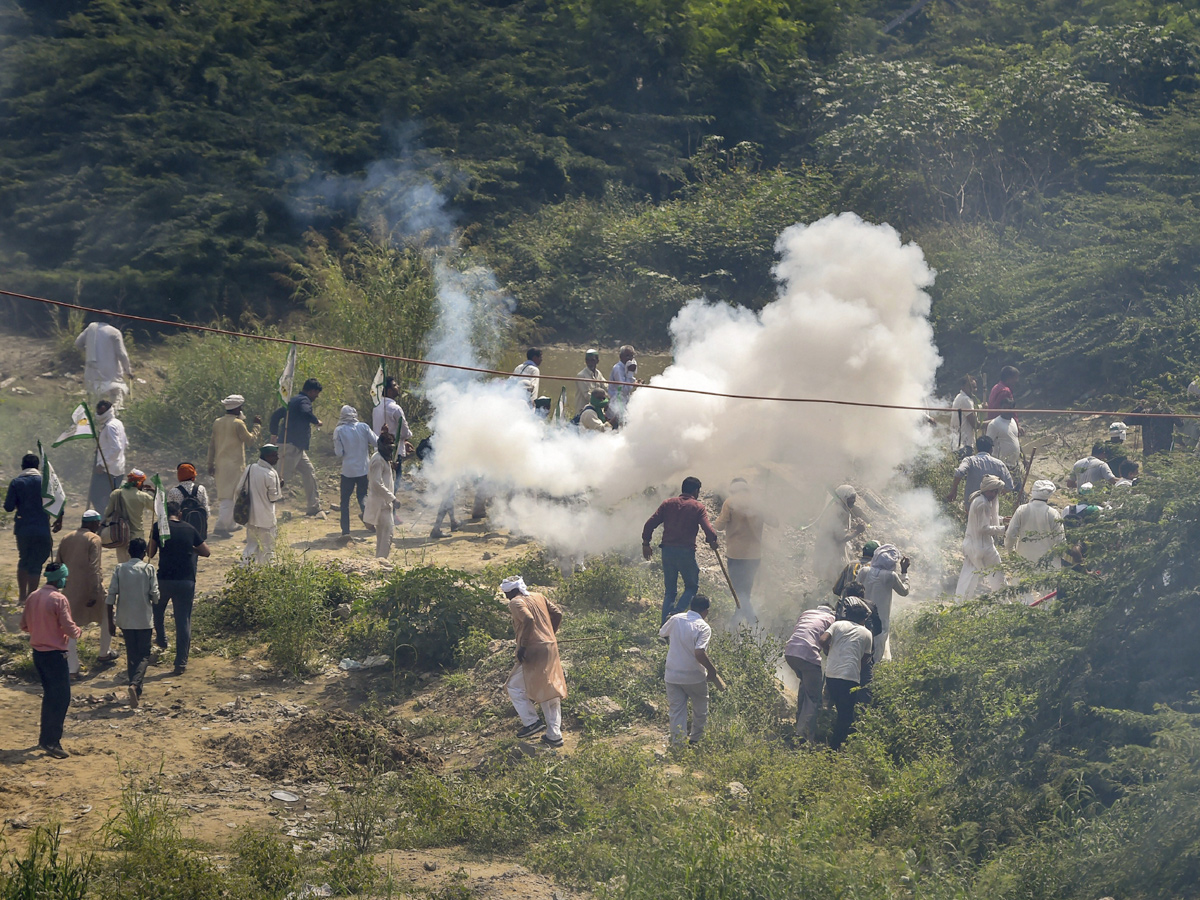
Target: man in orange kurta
538, 675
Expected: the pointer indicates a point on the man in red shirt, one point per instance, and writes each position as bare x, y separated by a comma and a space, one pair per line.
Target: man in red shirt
1003, 390
47, 620
681, 517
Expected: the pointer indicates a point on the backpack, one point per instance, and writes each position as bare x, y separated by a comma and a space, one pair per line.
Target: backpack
192, 511
114, 531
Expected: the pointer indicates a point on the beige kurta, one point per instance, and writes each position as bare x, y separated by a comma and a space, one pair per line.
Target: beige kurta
136, 504
227, 452
80, 551
535, 621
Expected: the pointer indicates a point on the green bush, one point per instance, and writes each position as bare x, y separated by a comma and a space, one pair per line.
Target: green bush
46, 872
288, 603
606, 583
535, 567
267, 861
420, 616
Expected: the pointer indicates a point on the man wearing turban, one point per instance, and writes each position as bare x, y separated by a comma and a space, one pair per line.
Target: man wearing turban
538, 675
1036, 528
981, 560
227, 458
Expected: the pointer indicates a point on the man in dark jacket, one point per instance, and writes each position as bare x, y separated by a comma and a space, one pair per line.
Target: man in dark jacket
291, 428
31, 526
681, 517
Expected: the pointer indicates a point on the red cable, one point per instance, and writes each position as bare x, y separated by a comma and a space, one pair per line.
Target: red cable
655, 387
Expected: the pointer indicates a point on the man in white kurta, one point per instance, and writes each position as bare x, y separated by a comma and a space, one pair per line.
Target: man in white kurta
227, 458
592, 380
835, 529
981, 560
388, 412
1005, 440
963, 419
880, 581
106, 369
265, 492
109, 465
1036, 529
381, 495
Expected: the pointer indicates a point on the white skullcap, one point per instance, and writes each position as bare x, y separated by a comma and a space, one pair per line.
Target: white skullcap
1117, 430
91, 516
1042, 490
233, 401
514, 583
845, 492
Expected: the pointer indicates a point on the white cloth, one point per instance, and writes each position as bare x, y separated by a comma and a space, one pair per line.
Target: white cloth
879, 585
617, 379
527, 711
1042, 489
590, 420
1091, 470
514, 583
583, 389
678, 696
234, 401
113, 443
265, 492
1036, 528
260, 545
849, 642
390, 413
106, 364
73, 646
531, 378
352, 443
381, 490
979, 550
687, 633
1006, 445
224, 515
959, 420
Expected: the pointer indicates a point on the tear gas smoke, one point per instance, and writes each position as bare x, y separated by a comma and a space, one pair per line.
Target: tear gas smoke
850, 323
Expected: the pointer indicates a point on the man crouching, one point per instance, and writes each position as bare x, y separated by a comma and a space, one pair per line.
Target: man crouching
538, 675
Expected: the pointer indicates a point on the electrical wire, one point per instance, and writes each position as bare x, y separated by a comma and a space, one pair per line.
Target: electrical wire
826, 401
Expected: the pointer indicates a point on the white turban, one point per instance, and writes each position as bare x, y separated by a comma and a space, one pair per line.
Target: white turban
885, 557
233, 401
514, 583
1042, 490
348, 415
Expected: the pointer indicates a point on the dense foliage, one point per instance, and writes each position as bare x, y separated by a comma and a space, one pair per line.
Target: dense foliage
159, 156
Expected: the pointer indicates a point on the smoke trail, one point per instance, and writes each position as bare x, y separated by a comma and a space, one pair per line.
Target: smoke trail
850, 322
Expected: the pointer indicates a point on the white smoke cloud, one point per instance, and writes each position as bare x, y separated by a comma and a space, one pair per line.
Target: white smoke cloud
850, 323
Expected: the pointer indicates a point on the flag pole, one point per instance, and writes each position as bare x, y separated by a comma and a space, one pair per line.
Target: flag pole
287, 401
96, 436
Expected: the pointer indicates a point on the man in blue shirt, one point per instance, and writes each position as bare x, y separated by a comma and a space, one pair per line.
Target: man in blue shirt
973, 468
31, 526
352, 443
291, 428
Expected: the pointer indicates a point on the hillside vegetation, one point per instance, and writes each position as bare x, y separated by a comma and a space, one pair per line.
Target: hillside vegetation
613, 160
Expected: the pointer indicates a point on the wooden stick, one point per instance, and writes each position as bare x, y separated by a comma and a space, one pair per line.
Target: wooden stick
728, 580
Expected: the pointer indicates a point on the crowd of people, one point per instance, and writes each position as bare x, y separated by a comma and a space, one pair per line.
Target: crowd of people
832, 649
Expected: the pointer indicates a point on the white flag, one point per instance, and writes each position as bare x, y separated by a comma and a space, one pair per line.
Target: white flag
160, 511
54, 498
562, 407
81, 427
377, 385
288, 378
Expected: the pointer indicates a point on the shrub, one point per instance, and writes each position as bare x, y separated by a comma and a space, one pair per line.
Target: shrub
605, 584
428, 612
45, 872
535, 567
289, 603
266, 860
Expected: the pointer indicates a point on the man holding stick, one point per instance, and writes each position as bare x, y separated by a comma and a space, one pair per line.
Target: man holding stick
681, 517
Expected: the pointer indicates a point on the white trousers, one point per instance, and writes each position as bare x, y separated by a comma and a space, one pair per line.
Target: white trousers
105, 645
224, 515
385, 526
260, 545
678, 696
527, 712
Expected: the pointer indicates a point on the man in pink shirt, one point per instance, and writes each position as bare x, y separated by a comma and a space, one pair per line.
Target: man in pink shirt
47, 619
1003, 389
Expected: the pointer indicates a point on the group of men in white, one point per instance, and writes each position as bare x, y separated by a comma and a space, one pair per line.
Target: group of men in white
599, 402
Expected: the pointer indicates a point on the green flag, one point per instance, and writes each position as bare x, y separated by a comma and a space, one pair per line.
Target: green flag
54, 498
377, 385
81, 427
160, 510
288, 378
